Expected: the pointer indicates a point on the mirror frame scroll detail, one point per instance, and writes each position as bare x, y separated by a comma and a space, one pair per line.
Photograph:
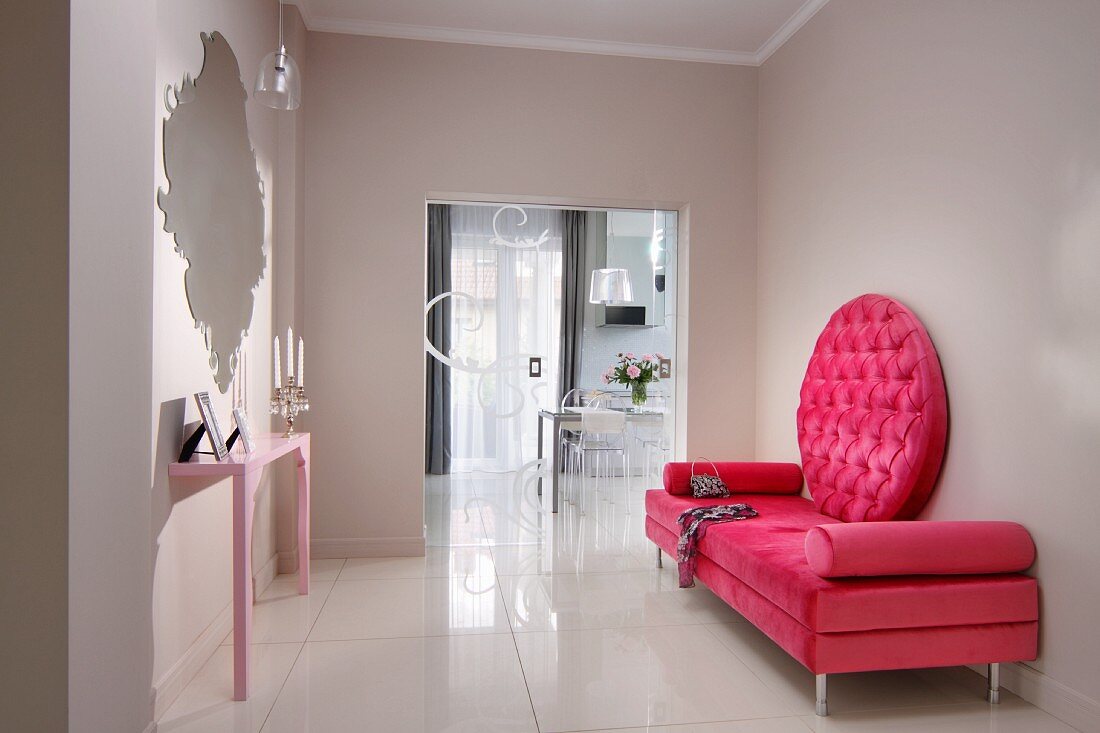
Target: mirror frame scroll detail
214, 205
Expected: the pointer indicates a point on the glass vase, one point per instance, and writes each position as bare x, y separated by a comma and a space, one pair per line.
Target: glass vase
637, 394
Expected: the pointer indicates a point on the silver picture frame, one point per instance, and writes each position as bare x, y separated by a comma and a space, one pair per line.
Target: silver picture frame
240, 417
213, 428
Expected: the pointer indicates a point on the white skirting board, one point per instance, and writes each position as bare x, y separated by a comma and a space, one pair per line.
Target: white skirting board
321, 549
286, 561
1048, 694
262, 578
180, 674
169, 687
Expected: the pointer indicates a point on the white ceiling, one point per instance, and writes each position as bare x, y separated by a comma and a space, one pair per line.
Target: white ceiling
716, 31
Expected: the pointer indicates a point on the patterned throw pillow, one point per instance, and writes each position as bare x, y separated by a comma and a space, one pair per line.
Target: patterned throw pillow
705, 486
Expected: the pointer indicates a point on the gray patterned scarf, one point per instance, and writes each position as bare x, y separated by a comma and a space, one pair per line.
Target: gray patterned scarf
693, 526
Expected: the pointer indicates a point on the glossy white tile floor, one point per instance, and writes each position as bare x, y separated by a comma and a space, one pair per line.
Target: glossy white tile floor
520, 621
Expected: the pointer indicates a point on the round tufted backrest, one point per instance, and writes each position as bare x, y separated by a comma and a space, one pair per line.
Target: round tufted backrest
872, 417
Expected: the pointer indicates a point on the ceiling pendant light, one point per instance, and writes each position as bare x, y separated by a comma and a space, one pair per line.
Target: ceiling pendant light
279, 84
610, 285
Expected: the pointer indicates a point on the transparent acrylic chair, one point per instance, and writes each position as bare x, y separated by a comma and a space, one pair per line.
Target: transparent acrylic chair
570, 437
652, 437
603, 433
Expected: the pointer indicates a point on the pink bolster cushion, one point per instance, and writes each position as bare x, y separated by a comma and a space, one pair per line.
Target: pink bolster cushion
918, 548
740, 477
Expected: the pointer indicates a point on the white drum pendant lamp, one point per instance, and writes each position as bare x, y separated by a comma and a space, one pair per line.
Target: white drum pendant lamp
610, 286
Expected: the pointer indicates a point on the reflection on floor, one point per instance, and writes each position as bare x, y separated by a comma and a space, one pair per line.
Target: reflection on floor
522, 621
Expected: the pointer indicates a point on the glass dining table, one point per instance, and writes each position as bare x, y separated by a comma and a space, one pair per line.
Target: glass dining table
572, 416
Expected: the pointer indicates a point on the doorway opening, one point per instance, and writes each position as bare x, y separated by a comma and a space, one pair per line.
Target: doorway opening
512, 330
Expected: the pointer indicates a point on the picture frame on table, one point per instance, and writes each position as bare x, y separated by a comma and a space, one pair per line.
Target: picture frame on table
240, 417
213, 428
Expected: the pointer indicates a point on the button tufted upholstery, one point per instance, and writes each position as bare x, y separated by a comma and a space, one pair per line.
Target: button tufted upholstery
872, 417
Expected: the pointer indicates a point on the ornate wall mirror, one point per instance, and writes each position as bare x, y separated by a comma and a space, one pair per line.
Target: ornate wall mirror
214, 202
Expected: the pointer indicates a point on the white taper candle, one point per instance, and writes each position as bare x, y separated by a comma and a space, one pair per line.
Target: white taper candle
278, 371
289, 352
301, 362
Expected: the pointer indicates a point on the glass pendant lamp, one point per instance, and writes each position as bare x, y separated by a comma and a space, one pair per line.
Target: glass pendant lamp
279, 83
610, 286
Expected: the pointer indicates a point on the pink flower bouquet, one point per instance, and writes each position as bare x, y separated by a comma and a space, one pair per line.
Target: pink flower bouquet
634, 372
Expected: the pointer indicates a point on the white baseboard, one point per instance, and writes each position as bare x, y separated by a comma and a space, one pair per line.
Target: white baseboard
367, 547
287, 561
1048, 694
262, 578
169, 687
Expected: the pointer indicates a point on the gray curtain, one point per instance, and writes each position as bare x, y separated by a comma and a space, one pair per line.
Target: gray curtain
573, 297
437, 453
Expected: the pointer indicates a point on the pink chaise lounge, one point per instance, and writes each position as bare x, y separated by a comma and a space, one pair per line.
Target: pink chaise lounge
838, 582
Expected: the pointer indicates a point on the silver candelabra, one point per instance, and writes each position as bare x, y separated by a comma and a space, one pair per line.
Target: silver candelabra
288, 401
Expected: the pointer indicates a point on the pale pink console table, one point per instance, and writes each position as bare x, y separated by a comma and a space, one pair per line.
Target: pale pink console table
245, 471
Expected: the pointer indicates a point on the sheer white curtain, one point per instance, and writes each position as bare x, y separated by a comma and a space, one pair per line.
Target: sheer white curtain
506, 309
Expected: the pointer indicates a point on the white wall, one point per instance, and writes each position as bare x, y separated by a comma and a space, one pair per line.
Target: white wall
191, 520
149, 558
110, 357
391, 122
947, 154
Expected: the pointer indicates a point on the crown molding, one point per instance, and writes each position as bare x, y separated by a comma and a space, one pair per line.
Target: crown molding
325, 24
783, 34
304, 10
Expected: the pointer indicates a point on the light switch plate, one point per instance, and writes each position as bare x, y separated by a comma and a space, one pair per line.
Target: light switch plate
665, 369
534, 367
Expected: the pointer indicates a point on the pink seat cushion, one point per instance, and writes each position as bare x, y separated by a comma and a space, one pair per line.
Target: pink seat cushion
872, 418
740, 477
918, 548
857, 651
767, 554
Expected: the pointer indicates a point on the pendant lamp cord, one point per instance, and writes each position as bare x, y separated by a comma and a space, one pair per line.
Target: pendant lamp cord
281, 44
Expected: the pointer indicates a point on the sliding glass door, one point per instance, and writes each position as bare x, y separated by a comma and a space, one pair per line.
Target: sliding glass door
505, 268
497, 333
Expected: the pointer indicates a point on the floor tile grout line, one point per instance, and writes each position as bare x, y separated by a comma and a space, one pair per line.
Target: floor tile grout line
629, 627
519, 657
512, 631
675, 725
282, 686
406, 638
747, 666
340, 572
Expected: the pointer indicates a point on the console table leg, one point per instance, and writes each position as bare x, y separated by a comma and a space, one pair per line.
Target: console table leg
303, 521
822, 706
244, 488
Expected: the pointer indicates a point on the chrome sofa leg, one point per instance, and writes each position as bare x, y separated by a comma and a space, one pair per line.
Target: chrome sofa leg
660, 561
993, 695
822, 706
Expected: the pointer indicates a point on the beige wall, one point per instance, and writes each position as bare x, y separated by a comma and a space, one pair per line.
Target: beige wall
192, 544
948, 154
110, 357
149, 558
34, 302
391, 121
